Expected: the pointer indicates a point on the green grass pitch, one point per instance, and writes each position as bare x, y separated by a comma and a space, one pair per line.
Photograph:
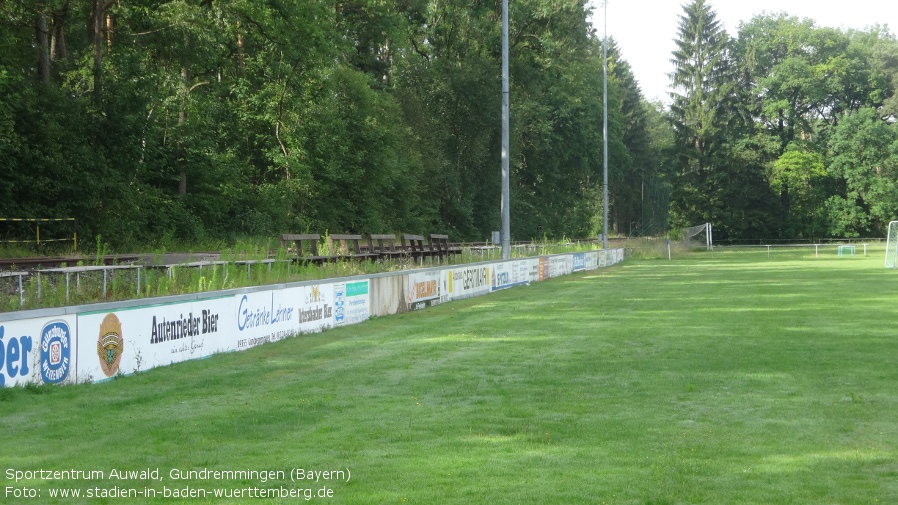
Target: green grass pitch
730, 378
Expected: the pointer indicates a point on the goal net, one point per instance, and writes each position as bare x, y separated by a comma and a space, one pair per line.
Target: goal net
699, 236
892, 246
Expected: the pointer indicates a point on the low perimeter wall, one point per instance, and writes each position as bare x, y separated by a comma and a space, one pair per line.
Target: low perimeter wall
95, 342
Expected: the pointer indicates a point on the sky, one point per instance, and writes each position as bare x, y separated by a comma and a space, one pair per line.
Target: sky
645, 29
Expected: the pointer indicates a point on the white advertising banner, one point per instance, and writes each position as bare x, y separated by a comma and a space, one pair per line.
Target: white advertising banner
532, 269
592, 260
130, 340
316, 309
560, 265
266, 316
424, 289
468, 281
36, 351
352, 302
511, 273
610, 257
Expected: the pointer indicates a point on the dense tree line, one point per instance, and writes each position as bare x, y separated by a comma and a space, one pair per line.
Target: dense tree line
155, 121
786, 129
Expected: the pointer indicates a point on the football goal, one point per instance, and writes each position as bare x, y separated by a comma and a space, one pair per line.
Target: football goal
892, 246
699, 236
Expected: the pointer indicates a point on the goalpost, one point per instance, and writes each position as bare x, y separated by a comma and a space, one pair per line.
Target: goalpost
698, 236
892, 246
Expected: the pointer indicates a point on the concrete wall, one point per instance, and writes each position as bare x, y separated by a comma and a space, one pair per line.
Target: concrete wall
94, 342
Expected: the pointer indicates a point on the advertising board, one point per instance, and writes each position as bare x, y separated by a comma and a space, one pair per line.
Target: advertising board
102, 343
468, 281
38, 351
578, 262
266, 316
560, 265
424, 289
511, 273
592, 260
316, 308
352, 302
133, 339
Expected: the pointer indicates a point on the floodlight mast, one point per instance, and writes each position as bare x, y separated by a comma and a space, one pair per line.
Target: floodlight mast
506, 220
605, 130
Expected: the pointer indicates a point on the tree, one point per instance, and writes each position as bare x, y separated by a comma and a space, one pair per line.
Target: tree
864, 152
802, 80
801, 170
639, 196
800, 73
703, 84
153, 121
655, 190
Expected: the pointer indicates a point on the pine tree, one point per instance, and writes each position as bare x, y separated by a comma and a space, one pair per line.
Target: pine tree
703, 82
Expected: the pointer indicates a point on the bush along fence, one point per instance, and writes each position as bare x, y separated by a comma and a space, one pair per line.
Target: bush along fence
93, 343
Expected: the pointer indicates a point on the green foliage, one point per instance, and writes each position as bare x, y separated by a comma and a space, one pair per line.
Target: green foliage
799, 174
864, 151
702, 112
191, 121
769, 131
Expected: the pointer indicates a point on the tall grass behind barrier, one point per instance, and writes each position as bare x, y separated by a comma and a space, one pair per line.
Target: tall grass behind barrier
85, 288
228, 272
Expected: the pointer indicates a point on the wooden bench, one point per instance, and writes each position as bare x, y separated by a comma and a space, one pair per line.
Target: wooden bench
306, 245
384, 246
440, 248
413, 245
346, 247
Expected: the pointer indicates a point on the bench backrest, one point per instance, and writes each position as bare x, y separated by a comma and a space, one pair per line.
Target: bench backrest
298, 239
344, 245
439, 244
382, 243
413, 243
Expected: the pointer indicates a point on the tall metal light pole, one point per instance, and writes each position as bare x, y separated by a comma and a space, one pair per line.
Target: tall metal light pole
506, 220
605, 131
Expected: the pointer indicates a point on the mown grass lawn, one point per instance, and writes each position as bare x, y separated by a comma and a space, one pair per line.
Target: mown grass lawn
730, 378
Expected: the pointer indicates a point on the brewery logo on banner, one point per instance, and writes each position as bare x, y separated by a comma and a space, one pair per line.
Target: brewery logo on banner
316, 308
110, 344
315, 295
164, 330
56, 352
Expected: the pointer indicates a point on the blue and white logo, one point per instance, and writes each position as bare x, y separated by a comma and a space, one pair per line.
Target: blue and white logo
579, 262
339, 303
56, 340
